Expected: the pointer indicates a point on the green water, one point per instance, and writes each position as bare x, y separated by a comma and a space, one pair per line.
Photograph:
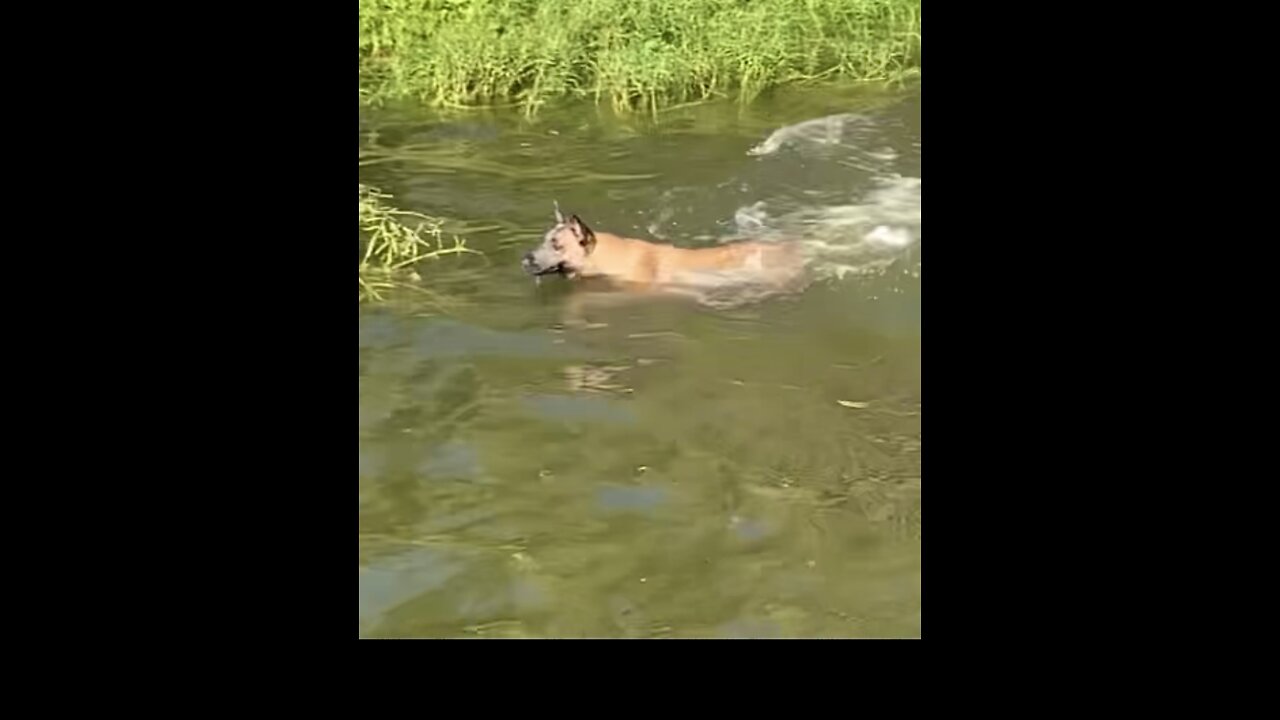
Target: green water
670, 470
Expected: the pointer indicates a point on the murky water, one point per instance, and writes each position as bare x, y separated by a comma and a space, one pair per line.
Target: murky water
669, 470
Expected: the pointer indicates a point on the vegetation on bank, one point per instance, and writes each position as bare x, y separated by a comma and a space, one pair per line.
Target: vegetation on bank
390, 247
635, 53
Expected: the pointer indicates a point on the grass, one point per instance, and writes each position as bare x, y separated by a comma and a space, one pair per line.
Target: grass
634, 54
390, 248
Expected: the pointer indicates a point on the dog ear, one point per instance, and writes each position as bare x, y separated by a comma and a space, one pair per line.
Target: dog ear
559, 215
585, 236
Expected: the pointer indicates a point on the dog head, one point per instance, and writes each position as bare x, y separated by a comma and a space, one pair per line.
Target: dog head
564, 249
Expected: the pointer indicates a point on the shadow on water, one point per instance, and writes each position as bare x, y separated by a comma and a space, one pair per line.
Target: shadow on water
670, 470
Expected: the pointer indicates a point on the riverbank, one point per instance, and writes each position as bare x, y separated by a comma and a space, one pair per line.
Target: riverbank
633, 55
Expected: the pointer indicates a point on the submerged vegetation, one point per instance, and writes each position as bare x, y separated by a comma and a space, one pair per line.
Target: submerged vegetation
390, 247
635, 54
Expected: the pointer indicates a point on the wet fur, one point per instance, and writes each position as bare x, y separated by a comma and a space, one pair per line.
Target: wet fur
572, 249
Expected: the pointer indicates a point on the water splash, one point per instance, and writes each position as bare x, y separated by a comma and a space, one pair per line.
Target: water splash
829, 130
865, 236
857, 138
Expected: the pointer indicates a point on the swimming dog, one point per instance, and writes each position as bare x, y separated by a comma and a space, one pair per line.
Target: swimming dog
573, 250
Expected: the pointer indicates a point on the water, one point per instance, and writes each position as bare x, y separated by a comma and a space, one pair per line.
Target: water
669, 470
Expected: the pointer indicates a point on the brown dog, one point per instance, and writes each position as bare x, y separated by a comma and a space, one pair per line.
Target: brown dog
572, 249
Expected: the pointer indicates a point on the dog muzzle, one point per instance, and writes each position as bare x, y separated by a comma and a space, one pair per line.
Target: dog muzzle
531, 267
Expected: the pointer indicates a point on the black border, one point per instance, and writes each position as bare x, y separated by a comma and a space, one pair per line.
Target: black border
243, 376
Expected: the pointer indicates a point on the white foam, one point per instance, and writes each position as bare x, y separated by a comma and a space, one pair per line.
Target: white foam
893, 237
829, 130
865, 236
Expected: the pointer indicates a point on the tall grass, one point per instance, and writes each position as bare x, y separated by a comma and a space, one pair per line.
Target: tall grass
635, 53
390, 246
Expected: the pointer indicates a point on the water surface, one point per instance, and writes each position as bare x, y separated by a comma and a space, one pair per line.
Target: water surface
671, 470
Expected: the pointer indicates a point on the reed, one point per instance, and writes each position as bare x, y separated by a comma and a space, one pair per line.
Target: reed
632, 54
393, 242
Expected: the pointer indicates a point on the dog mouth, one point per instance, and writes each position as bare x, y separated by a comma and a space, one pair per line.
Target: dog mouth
536, 271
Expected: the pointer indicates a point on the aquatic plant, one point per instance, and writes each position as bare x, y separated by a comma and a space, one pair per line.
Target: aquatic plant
390, 248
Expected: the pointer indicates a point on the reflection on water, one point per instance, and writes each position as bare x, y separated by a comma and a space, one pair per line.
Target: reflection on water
667, 470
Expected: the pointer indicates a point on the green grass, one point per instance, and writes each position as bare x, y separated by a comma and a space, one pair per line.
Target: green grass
391, 248
634, 53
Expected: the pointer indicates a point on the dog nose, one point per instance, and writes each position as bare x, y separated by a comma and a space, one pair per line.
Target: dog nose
528, 258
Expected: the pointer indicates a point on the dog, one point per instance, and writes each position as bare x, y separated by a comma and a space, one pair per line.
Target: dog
738, 271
